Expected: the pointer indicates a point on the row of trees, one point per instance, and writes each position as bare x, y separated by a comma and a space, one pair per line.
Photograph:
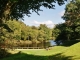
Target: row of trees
70, 29
17, 31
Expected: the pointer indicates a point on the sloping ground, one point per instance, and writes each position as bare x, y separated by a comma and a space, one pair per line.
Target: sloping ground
70, 53
73, 51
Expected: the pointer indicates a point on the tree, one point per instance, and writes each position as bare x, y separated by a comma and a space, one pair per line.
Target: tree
15, 9
69, 31
46, 30
72, 17
15, 27
72, 12
62, 33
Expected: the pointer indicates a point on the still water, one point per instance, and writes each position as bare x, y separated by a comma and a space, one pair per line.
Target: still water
52, 43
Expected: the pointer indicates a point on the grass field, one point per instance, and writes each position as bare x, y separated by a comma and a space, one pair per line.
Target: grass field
56, 53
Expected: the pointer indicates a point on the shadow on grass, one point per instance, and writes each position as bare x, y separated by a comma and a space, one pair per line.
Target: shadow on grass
23, 56
59, 56
4, 53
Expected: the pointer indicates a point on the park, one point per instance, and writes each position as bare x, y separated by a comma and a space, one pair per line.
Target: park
37, 38
55, 53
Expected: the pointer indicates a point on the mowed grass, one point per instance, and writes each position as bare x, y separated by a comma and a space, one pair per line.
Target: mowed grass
55, 53
73, 51
43, 52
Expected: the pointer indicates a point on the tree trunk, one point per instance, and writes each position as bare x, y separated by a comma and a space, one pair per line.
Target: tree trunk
6, 11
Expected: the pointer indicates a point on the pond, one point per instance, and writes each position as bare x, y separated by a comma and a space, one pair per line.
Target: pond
52, 42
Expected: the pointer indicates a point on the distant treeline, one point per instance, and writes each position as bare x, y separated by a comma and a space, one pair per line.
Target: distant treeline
16, 33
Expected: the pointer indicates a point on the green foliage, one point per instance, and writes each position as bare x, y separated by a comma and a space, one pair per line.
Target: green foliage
46, 31
16, 28
18, 34
61, 33
71, 10
15, 9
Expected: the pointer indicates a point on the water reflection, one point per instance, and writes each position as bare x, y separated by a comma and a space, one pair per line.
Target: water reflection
52, 42
33, 44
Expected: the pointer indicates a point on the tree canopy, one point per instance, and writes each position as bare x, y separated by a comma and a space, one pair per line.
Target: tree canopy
16, 9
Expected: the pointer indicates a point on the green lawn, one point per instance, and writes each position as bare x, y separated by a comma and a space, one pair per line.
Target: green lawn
56, 53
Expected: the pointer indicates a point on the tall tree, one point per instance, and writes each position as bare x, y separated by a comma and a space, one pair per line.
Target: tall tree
72, 12
72, 17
